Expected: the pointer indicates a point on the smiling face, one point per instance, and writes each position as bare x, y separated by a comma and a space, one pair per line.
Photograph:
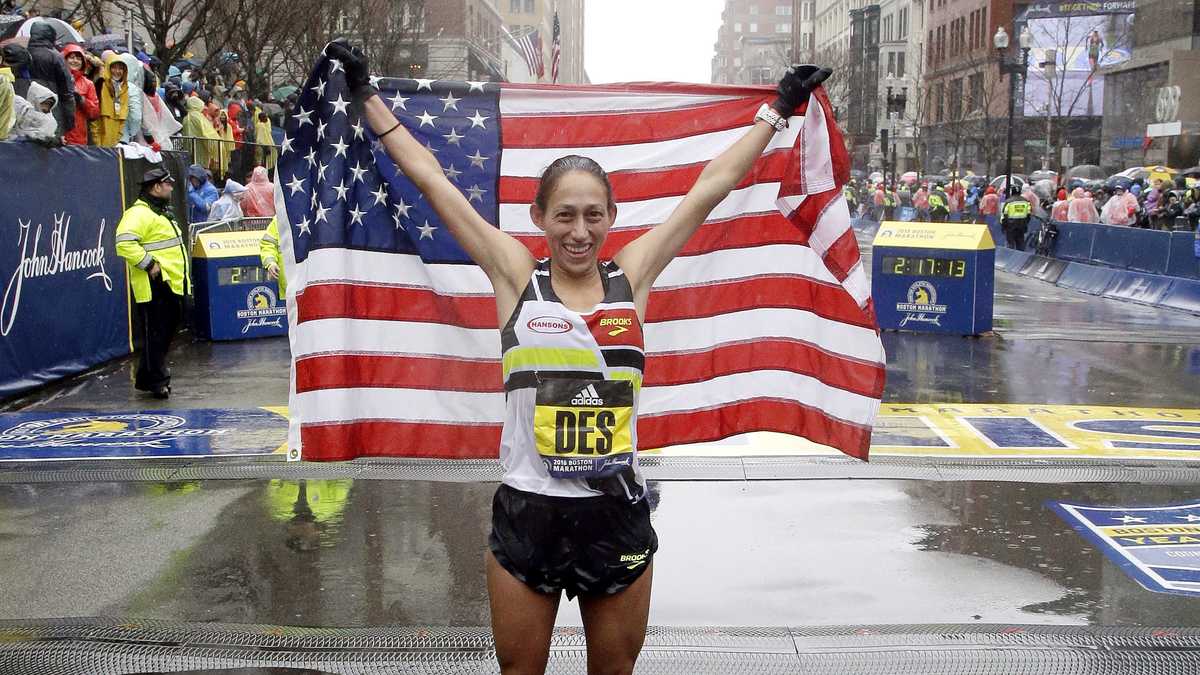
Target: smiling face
75, 61
576, 221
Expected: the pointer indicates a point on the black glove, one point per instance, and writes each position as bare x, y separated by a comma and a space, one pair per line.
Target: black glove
354, 62
796, 85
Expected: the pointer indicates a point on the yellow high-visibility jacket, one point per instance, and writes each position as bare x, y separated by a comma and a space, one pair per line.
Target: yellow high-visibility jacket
145, 236
268, 251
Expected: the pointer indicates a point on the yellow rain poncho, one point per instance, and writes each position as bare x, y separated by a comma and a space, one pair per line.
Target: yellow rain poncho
224, 148
262, 135
196, 127
108, 128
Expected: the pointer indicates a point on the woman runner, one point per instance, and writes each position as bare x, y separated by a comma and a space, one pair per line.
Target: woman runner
570, 513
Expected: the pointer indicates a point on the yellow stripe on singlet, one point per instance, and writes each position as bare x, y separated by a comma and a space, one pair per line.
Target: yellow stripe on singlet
631, 375
527, 358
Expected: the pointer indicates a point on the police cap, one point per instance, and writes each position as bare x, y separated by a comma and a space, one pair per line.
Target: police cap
157, 174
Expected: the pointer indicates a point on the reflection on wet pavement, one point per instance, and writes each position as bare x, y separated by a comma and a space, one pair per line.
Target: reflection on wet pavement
360, 553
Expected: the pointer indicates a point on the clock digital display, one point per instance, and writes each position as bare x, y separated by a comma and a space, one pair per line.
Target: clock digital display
249, 274
925, 266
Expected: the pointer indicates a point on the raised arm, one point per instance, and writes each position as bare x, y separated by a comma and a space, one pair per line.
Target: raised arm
644, 258
505, 260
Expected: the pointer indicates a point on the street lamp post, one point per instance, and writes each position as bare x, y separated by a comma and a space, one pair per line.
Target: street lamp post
1014, 69
895, 108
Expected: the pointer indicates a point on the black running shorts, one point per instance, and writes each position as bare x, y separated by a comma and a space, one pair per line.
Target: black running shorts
581, 545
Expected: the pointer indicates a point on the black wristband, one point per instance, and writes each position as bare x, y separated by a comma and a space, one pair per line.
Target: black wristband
398, 125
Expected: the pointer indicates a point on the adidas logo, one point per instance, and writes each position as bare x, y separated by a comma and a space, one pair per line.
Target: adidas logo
587, 396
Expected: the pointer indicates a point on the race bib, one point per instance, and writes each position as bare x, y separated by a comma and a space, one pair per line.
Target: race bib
583, 428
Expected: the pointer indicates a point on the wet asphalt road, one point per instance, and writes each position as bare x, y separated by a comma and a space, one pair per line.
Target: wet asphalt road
347, 553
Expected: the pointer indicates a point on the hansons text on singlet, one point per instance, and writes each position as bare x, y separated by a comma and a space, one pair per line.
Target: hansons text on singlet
572, 382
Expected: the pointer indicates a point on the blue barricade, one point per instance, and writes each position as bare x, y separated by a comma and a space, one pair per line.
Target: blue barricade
1184, 260
1132, 248
65, 306
1074, 241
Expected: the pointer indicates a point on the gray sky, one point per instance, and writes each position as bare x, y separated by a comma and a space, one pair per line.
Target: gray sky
659, 40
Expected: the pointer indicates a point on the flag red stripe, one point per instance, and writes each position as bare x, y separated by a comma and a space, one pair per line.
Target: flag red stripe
386, 438
348, 371
632, 186
788, 417
390, 303
599, 129
781, 291
759, 229
351, 371
842, 255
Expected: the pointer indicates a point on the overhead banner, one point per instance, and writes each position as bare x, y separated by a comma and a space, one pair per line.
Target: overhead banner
65, 304
1046, 10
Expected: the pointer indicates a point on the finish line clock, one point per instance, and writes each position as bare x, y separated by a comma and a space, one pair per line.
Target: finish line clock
933, 277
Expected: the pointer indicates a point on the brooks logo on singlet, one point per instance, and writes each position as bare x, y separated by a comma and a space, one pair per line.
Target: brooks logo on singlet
587, 396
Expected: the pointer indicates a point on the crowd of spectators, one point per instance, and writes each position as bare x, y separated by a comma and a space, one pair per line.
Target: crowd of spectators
56, 94
1156, 204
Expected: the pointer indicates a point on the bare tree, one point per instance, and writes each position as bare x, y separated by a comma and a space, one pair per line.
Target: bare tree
391, 32
173, 27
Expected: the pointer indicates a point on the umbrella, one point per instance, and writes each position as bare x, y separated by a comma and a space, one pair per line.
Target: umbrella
63, 31
1044, 188
857, 173
10, 24
1164, 173
280, 93
1043, 175
1086, 171
909, 177
1117, 179
1193, 172
999, 182
113, 41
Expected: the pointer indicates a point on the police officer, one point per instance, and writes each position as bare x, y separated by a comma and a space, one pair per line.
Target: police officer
849, 192
939, 204
1015, 218
153, 245
272, 257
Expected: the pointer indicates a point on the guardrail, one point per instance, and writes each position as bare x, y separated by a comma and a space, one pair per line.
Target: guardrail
1170, 253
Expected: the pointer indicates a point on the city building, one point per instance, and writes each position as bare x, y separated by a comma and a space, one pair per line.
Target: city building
755, 42
464, 38
1152, 100
961, 106
802, 31
525, 16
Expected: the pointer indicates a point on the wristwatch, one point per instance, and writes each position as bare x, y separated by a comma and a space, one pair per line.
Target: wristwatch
768, 114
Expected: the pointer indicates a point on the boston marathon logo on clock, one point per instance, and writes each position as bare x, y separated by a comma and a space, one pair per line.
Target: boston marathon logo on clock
922, 305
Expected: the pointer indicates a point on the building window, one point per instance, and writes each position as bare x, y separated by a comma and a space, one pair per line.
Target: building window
529, 6
976, 87
783, 28
941, 102
955, 96
900, 64
737, 62
753, 28
902, 23
762, 75
891, 67
805, 41
514, 6
737, 27
754, 9
783, 10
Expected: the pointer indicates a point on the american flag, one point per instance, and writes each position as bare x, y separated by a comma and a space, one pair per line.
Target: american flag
555, 49
530, 45
763, 323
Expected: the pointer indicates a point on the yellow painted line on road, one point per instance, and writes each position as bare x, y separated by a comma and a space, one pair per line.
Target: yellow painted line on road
983, 431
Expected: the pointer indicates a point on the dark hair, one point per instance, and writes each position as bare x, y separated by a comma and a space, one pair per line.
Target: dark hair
561, 167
